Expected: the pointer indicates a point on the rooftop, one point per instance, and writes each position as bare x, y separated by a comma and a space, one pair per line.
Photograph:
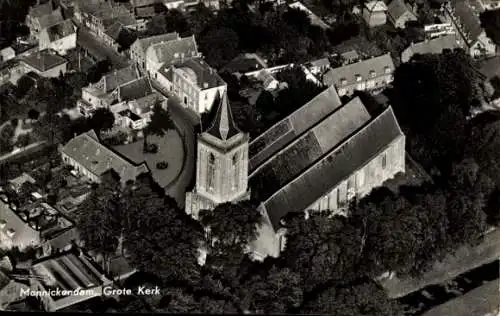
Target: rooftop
61, 30
199, 73
376, 6
338, 164
68, 272
135, 89
145, 42
288, 129
375, 66
434, 46
41, 9
50, 19
172, 51
397, 8
223, 126
98, 159
471, 25
44, 60
45, 219
22, 179
245, 63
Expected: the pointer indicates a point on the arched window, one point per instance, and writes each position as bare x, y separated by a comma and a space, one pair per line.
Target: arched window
211, 172
236, 176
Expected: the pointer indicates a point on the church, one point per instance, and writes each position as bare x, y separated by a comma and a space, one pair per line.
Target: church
318, 158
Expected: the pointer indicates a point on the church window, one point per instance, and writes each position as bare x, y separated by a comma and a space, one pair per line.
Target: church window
384, 161
235, 171
211, 172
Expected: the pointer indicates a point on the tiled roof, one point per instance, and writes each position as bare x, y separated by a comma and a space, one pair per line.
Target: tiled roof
98, 159
468, 19
200, 73
291, 161
68, 271
362, 68
134, 90
41, 10
336, 166
433, 46
376, 6
44, 60
50, 19
171, 51
397, 8
288, 129
114, 30
223, 127
61, 30
145, 42
116, 78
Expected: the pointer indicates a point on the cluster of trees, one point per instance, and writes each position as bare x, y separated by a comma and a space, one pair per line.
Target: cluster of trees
490, 21
12, 17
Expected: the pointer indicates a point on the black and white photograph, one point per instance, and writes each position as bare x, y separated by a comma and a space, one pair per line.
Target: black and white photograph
324, 157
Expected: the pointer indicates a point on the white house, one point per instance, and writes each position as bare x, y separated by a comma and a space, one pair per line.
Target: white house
170, 52
194, 82
60, 37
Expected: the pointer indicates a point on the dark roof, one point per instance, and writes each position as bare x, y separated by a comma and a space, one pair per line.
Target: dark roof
490, 67
50, 19
223, 126
244, 63
289, 162
334, 167
61, 30
44, 60
145, 42
283, 132
471, 24
134, 90
200, 73
116, 78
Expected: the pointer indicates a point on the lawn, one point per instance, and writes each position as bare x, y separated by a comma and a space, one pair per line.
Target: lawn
170, 149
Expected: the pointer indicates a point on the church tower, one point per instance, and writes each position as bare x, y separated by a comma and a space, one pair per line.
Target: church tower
221, 165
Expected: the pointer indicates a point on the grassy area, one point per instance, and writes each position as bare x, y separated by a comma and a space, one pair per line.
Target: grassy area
170, 149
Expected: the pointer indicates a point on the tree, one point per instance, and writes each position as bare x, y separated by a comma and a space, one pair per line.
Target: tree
219, 45
490, 20
102, 119
6, 135
23, 140
358, 299
159, 123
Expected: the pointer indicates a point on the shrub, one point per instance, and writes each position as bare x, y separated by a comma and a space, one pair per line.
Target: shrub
162, 165
151, 148
14, 122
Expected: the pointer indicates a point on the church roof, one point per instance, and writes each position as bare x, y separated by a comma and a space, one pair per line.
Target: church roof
223, 126
331, 169
288, 129
291, 161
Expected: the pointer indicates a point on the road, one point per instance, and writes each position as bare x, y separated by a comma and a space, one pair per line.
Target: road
465, 259
186, 122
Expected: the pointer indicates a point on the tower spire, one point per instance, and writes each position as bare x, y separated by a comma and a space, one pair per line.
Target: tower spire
223, 126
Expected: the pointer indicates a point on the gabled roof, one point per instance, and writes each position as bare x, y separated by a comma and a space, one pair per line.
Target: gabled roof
362, 68
86, 150
40, 10
469, 20
145, 42
397, 8
292, 160
199, 73
135, 89
44, 60
60, 30
114, 30
223, 127
171, 51
376, 6
433, 46
288, 129
50, 19
116, 78
334, 167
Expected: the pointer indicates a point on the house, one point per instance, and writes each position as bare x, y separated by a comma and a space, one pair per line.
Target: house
399, 13
68, 278
244, 63
17, 183
350, 57
10, 290
433, 46
372, 74
146, 8
315, 20
45, 63
59, 37
318, 158
139, 47
194, 82
42, 16
318, 66
33, 225
135, 102
488, 5
90, 158
374, 13
470, 33
436, 30
7, 53
103, 93
269, 83
170, 52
